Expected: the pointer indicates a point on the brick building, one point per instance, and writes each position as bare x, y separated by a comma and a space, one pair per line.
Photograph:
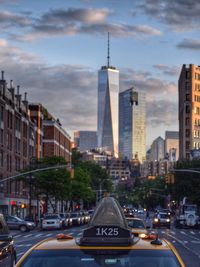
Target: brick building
17, 146
27, 131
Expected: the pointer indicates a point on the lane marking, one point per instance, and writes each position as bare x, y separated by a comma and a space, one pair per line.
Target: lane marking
16, 236
186, 247
195, 242
192, 232
49, 234
39, 235
28, 235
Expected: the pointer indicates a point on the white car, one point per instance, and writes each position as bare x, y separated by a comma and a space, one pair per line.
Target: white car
51, 221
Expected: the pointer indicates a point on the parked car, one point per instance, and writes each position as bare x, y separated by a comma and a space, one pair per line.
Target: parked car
7, 249
51, 221
63, 218
15, 223
68, 220
90, 212
86, 216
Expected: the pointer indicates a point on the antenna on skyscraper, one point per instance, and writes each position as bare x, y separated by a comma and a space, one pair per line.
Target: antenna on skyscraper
108, 56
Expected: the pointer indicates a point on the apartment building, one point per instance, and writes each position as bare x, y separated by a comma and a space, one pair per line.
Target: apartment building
189, 110
17, 146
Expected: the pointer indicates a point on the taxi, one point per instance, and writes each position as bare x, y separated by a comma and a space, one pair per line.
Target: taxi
137, 226
108, 241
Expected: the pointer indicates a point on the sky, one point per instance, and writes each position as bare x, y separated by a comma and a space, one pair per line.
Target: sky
53, 49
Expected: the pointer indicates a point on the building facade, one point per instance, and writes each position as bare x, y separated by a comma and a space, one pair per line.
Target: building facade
172, 145
157, 149
132, 124
108, 92
85, 140
189, 110
17, 147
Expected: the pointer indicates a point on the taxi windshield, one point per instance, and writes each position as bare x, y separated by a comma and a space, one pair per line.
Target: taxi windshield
96, 258
136, 224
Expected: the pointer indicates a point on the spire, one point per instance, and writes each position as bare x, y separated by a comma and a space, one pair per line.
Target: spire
108, 56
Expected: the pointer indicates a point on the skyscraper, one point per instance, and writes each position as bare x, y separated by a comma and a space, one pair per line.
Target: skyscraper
189, 110
132, 124
108, 94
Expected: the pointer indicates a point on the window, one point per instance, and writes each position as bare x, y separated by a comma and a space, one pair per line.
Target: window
196, 110
1, 136
18, 124
187, 121
187, 144
187, 109
187, 97
1, 158
1, 113
197, 76
187, 74
197, 86
187, 133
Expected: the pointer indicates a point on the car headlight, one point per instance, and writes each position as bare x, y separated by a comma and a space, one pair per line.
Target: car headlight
156, 220
30, 224
168, 220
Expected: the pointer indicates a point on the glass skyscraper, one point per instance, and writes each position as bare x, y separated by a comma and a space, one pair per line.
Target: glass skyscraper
132, 124
108, 97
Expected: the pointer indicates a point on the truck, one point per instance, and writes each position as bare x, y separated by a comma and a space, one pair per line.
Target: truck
187, 216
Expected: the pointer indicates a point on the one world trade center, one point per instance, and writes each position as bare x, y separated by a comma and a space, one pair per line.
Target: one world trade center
108, 103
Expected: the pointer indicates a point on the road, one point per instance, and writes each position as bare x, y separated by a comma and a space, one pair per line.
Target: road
186, 241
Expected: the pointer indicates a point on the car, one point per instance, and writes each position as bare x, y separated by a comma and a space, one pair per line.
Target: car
68, 220
76, 218
90, 212
51, 221
63, 218
107, 241
7, 248
15, 223
166, 211
137, 226
162, 219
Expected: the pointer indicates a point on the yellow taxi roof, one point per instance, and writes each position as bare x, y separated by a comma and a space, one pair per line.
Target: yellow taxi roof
54, 243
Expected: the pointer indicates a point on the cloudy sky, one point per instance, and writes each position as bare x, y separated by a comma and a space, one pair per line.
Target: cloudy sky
53, 49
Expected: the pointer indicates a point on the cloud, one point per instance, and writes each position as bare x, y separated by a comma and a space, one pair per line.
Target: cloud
171, 71
74, 21
60, 88
189, 44
61, 16
146, 82
8, 19
179, 15
162, 112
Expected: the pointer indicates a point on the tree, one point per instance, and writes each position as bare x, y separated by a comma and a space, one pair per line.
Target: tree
187, 184
53, 183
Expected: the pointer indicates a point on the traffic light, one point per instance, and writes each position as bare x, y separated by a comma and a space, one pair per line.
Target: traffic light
169, 178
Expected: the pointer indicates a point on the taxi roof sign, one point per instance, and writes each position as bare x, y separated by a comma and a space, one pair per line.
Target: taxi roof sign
108, 212
107, 227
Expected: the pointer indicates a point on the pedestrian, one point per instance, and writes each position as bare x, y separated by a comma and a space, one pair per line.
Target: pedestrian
147, 214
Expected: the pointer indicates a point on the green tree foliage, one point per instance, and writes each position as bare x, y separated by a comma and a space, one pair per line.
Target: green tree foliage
149, 194
187, 184
80, 186
53, 183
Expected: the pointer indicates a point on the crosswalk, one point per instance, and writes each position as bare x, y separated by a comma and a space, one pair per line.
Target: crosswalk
17, 236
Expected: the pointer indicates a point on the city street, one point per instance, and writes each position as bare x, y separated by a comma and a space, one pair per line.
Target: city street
186, 241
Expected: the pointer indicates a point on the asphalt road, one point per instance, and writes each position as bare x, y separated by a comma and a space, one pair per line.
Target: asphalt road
186, 241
